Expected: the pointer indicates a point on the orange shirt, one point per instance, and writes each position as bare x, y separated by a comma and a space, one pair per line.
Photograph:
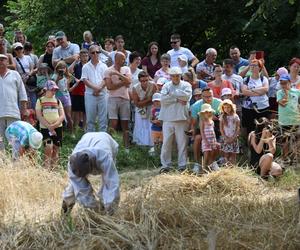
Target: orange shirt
217, 90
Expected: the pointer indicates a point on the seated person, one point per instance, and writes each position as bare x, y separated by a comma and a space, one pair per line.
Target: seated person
263, 147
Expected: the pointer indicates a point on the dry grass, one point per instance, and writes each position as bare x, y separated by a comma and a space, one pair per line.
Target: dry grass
229, 209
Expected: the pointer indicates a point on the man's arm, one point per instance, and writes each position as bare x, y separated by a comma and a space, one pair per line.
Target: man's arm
194, 62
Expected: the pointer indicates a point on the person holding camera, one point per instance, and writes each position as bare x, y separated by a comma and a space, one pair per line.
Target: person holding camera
262, 149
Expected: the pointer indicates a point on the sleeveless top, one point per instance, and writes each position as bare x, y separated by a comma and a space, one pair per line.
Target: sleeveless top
144, 94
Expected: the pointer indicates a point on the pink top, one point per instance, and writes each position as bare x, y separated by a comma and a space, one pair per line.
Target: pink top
120, 92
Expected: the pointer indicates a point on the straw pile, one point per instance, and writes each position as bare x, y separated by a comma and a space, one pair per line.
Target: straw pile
229, 209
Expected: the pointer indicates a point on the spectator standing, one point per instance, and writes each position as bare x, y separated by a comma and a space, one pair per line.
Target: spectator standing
13, 93
142, 97
20, 37
156, 127
165, 60
2, 36
294, 67
65, 50
190, 77
118, 79
47, 56
205, 68
135, 61
109, 44
174, 114
87, 40
235, 55
218, 83
28, 50
95, 96
3, 51
78, 89
151, 62
256, 103
120, 43
177, 50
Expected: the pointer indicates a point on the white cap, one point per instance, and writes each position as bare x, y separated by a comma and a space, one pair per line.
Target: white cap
183, 58
156, 97
226, 91
175, 71
3, 56
161, 81
35, 140
16, 45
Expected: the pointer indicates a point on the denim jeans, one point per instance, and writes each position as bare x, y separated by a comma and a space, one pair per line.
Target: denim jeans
96, 108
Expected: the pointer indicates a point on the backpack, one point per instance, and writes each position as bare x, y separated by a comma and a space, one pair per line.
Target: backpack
248, 79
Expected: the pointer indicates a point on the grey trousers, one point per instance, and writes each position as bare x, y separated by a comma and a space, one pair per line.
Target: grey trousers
4, 123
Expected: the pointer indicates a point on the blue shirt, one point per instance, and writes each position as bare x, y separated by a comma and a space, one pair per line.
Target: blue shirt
242, 62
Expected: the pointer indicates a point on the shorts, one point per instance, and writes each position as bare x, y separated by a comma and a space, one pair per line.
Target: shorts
118, 107
78, 103
65, 100
157, 136
55, 139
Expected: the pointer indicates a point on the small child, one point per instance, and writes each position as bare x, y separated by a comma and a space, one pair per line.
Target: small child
160, 83
63, 78
226, 94
156, 128
209, 140
230, 129
44, 73
50, 113
183, 63
30, 117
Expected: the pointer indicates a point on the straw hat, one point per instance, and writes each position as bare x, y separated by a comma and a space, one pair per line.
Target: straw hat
206, 108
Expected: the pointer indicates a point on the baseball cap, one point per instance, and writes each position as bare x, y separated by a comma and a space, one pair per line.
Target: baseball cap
17, 45
156, 97
226, 91
282, 71
59, 34
285, 77
183, 58
175, 71
50, 85
35, 140
197, 91
3, 56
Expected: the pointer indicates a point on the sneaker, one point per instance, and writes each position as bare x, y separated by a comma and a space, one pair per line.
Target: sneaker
214, 166
164, 170
197, 168
181, 169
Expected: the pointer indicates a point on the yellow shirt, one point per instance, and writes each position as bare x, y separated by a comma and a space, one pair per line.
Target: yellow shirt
49, 108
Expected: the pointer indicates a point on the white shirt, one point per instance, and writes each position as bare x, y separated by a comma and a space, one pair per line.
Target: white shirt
134, 78
12, 90
236, 81
174, 54
26, 62
93, 74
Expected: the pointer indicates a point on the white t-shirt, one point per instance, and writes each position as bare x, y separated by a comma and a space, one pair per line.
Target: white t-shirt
26, 62
134, 78
94, 74
230, 128
174, 54
236, 81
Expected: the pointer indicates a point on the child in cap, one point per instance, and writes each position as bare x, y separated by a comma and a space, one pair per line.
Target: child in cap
197, 95
156, 128
209, 140
160, 83
50, 113
23, 137
183, 63
226, 94
44, 73
230, 129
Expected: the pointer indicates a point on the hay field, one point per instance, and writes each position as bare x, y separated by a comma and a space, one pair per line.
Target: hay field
229, 209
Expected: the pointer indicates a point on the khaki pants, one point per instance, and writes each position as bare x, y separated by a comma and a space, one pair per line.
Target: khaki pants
171, 129
4, 123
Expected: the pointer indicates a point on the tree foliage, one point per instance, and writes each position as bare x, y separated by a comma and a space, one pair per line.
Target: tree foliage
270, 25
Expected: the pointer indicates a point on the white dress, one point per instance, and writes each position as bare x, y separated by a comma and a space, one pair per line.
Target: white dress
142, 125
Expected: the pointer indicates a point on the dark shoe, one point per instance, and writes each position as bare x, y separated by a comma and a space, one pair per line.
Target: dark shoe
181, 169
164, 170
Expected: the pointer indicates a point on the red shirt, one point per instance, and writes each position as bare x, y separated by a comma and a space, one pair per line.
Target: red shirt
150, 67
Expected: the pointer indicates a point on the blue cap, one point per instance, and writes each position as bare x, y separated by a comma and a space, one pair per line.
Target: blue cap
285, 77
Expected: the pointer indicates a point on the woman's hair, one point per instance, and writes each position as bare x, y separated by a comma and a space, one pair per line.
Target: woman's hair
149, 50
190, 74
260, 124
294, 60
87, 33
118, 37
28, 46
133, 56
259, 63
110, 40
62, 64
165, 56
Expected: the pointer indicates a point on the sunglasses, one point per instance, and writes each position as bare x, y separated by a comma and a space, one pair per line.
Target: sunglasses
174, 42
95, 52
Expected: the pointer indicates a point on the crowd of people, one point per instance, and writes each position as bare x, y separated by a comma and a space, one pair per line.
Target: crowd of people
162, 101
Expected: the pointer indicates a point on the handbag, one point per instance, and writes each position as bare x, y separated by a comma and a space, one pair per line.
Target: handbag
29, 80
